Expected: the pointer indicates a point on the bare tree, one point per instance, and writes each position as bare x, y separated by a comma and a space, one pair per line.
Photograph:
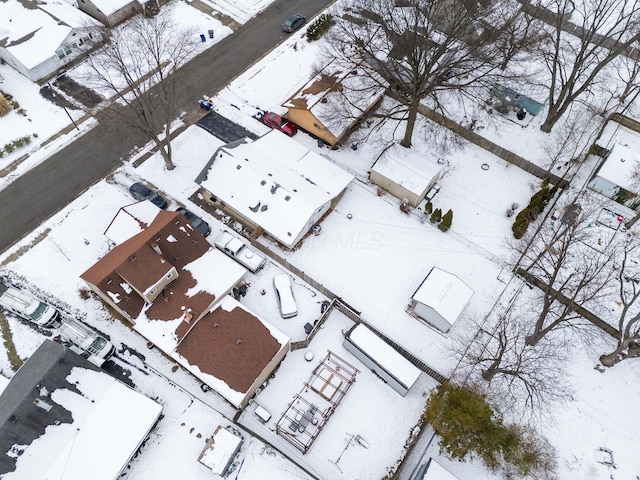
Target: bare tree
420, 48
628, 341
571, 266
523, 379
605, 29
137, 65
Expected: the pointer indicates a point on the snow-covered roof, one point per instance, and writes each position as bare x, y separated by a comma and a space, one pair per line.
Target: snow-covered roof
33, 35
337, 97
437, 472
220, 450
384, 355
214, 273
445, 293
230, 348
275, 182
622, 168
109, 421
130, 220
410, 170
109, 7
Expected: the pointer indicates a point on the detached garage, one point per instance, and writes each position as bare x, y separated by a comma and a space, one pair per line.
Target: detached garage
440, 299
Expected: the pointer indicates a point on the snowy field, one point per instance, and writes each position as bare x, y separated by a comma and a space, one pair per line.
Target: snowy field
374, 259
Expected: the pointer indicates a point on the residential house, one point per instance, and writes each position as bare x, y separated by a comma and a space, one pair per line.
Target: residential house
110, 12
273, 183
173, 286
62, 417
440, 299
404, 174
39, 41
332, 103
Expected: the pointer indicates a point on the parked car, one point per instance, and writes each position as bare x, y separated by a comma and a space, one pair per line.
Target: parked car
293, 23
284, 294
280, 123
86, 342
26, 306
432, 192
238, 250
141, 192
196, 222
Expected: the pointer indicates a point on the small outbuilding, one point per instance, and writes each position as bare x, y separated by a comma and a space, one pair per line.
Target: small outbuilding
440, 299
617, 176
220, 451
404, 174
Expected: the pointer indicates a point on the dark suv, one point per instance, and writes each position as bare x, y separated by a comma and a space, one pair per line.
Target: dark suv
140, 192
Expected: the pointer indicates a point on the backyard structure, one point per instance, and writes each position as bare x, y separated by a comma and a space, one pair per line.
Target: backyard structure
440, 299
381, 358
330, 104
69, 419
273, 183
39, 41
405, 175
432, 470
220, 450
508, 98
311, 409
618, 176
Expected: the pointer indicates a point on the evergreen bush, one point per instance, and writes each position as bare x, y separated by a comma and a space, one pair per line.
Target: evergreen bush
436, 216
319, 27
469, 426
446, 221
428, 207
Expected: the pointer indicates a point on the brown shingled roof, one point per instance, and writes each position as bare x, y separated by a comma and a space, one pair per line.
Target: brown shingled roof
233, 346
179, 243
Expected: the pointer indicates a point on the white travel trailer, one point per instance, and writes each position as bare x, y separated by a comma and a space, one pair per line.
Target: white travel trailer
86, 342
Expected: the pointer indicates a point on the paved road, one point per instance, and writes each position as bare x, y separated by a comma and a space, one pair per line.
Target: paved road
37, 195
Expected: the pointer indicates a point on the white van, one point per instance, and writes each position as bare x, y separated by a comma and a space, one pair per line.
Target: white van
85, 341
25, 305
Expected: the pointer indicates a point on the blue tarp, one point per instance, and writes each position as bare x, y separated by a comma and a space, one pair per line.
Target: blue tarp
511, 97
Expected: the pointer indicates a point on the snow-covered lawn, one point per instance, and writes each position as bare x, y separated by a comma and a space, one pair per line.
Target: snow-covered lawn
368, 253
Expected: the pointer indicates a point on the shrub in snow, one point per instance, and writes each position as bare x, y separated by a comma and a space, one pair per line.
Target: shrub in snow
537, 204
428, 207
436, 216
447, 218
317, 28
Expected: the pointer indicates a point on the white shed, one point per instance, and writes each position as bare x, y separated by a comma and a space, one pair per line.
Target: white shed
220, 450
404, 174
440, 299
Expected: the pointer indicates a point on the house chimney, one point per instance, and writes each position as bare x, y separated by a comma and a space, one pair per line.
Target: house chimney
238, 341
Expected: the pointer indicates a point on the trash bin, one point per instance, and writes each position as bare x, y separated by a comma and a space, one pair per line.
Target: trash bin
203, 38
210, 33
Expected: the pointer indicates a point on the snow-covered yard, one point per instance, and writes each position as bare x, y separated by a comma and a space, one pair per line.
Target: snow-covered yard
368, 253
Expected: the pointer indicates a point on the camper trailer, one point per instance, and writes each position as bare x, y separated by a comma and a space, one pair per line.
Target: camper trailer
25, 305
86, 342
